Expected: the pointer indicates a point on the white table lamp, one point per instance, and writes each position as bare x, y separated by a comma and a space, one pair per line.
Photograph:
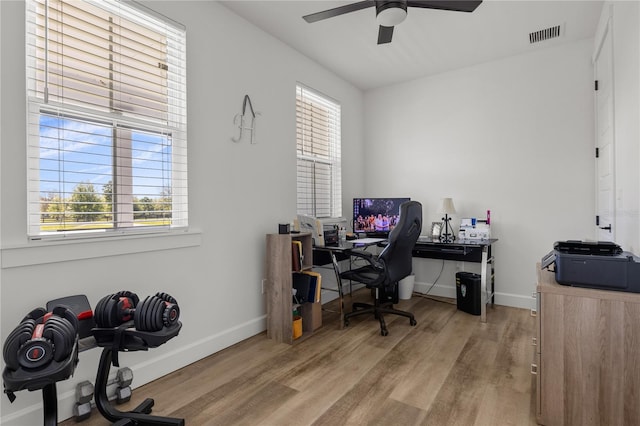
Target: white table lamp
447, 208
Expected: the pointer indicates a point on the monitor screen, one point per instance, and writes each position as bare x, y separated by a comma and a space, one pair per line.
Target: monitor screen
376, 215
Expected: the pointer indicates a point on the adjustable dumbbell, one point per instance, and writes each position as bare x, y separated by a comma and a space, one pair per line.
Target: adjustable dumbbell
115, 309
156, 312
40, 338
152, 314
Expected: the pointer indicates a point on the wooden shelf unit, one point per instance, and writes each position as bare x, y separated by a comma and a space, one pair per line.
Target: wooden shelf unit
279, 282
587, 357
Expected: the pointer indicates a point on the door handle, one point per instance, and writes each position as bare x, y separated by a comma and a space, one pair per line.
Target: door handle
607, 228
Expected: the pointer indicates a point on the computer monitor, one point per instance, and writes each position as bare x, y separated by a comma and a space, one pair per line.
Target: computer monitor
376, 216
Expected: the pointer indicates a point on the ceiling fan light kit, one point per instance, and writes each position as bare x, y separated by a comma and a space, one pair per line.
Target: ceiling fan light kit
390, 13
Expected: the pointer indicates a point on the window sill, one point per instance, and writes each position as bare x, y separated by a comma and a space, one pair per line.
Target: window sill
43, 252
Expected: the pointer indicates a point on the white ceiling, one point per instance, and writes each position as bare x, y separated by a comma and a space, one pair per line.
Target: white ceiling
428, 42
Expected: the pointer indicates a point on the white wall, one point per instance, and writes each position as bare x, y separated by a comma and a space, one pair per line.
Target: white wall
514, 136
626, 56
237, 194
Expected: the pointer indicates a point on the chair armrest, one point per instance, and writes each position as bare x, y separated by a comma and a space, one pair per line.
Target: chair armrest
371, 258
362, 254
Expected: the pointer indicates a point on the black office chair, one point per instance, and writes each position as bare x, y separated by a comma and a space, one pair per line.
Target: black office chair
385, 270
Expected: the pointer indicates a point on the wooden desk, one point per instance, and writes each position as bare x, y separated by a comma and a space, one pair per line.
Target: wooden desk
587, 357
465, 251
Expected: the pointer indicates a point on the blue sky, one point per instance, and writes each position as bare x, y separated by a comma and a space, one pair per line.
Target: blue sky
75, 151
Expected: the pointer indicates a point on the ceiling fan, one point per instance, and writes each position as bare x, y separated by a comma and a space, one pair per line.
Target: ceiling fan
392, 12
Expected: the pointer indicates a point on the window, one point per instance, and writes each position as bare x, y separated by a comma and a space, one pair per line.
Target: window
106, 93
318, 153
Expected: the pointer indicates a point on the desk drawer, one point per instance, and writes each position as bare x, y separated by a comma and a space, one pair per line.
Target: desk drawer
463, 254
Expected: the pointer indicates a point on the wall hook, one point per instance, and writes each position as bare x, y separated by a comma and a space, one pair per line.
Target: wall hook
239, 120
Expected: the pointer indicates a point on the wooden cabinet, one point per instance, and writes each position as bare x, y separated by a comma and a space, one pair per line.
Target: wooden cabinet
587, 355
279, 269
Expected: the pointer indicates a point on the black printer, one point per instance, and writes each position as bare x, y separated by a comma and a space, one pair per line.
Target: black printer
599, 264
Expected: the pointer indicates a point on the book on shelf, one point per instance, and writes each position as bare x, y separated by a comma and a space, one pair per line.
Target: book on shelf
296, 256
301, 283
315, 286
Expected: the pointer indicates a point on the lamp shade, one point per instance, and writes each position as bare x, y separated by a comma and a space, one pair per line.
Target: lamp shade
447, 206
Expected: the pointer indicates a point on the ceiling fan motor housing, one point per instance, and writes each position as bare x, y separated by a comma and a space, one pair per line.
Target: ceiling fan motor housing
391, 13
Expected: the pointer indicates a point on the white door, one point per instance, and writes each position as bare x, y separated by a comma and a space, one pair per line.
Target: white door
605, 182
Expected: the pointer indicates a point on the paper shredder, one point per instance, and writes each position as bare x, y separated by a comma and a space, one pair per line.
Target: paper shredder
468, 292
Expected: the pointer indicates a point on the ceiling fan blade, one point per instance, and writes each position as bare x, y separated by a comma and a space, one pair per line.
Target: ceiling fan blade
454, 5
385, 34
336, 11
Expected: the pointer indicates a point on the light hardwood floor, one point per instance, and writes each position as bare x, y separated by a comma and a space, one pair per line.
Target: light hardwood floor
450, 369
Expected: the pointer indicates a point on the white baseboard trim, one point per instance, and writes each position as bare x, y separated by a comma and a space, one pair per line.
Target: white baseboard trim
145, 371
435, 290
504, 299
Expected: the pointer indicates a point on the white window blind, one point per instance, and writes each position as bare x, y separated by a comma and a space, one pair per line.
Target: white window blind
319, 189
107, 142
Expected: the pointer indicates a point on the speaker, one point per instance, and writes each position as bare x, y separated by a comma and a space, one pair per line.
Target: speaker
284, 228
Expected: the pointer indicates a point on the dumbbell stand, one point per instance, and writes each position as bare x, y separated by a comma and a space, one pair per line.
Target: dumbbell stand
50, 404
139, 415
44, 379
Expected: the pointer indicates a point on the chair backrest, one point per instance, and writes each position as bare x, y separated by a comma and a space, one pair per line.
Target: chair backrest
397, 254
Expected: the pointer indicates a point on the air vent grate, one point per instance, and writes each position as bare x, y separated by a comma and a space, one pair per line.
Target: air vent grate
546, 34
